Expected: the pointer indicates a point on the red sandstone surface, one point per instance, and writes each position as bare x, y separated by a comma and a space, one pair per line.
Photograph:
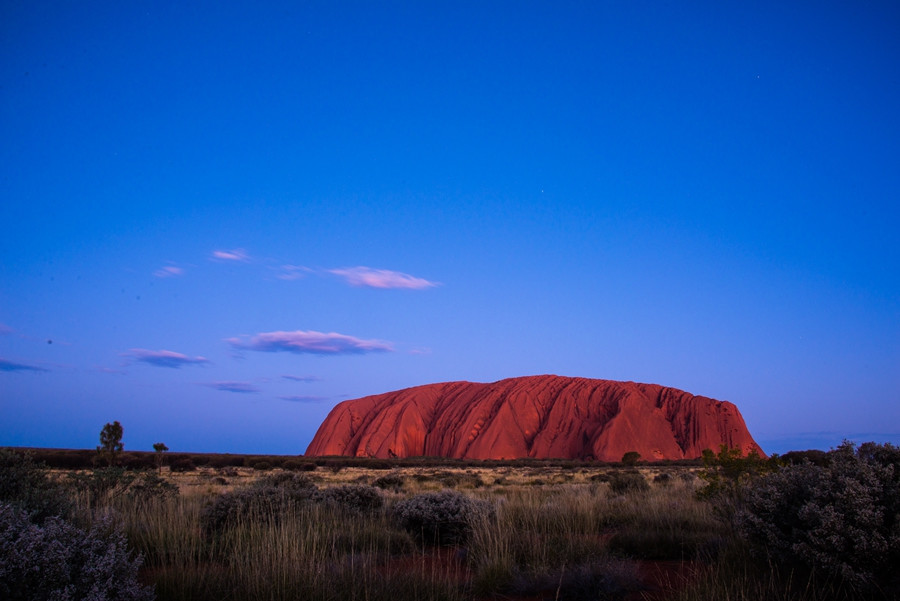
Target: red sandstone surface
536, 416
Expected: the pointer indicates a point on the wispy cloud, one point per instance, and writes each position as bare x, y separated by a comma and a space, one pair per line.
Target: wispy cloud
235, 254
292, 272
164, 358
316, 343
303, 378
303, 399
109, 370
5, 329
381, 278
169, 271
13, 366
240, 387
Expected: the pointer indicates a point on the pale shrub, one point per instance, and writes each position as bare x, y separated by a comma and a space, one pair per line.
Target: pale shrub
264, 500
60, 562
841, 518
445, 517
357, 498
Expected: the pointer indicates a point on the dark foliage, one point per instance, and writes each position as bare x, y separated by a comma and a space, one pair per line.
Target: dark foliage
626, 482
25, 485
841, 518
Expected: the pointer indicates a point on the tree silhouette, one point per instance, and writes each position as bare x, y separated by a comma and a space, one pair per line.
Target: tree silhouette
160, 448
111, 443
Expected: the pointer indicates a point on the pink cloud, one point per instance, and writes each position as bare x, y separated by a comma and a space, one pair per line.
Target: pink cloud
164, 358
109, 370
168, 271
381, 278
5, 329
292, 272
241, 387
316, 343
235, 254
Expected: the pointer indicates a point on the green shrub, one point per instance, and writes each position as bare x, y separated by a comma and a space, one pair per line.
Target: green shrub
842, 518
58, 561
149, 485
24, 484
392, 481
727, 472
295, 465
663, 479
295, 484
102, 483
628, 482
182, 464
442, 518
108, 483
631, 458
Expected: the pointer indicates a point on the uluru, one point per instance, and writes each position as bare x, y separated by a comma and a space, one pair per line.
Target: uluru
535, 416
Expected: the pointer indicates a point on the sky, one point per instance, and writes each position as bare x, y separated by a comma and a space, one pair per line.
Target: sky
219, 220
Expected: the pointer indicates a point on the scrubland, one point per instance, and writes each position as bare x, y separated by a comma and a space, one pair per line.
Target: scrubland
498, 532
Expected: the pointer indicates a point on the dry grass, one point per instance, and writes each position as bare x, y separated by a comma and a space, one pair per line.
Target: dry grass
557, 533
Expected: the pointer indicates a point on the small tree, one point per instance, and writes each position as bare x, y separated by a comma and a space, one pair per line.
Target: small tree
160, 448
631, 458
729, 471
111, 443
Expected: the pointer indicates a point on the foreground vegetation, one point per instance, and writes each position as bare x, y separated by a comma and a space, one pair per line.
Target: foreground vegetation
744, 529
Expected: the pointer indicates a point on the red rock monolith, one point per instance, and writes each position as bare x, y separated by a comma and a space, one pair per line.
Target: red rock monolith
535, 416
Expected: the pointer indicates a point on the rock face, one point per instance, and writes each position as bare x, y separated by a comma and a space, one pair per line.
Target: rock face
537, 416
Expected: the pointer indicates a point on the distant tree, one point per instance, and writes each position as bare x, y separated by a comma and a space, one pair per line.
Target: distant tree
111, 443
631, 458
160, 448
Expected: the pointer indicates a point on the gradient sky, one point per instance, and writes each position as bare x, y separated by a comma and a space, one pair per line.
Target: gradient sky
220, 219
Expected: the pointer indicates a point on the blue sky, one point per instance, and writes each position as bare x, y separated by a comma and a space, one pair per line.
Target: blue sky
218, 220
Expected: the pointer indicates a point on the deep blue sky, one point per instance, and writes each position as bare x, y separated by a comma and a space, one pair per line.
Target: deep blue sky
217, 220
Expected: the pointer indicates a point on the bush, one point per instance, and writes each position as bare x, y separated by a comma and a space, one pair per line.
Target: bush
149, 485
728, 472
357, 498
299, 466
631, 458
59, 561
442, 518
107, 483
264, 500
262, 466
662, 479
842, 519
25, 485
391, 481
628, 482
293, 484
182, 464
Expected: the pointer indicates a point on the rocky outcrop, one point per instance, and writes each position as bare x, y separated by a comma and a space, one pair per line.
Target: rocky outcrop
537, 416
